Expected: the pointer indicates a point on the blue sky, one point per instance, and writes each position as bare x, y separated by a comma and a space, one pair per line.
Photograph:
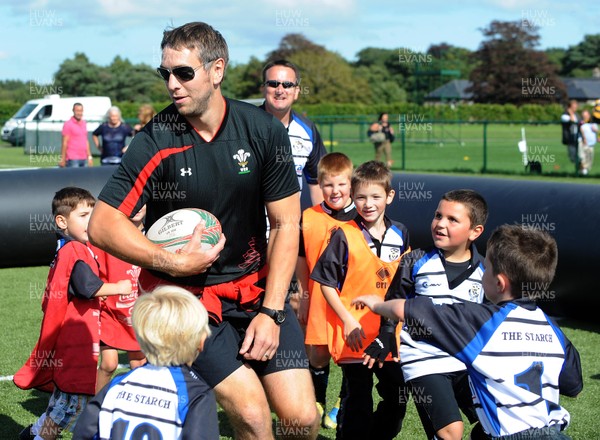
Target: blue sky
36, 36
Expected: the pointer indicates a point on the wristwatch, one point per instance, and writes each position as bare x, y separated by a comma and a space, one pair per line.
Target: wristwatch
277, 315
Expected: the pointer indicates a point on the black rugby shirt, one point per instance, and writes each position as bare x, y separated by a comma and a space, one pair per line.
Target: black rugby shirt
169, 166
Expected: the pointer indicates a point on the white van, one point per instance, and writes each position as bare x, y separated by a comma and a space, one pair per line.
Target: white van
38, 124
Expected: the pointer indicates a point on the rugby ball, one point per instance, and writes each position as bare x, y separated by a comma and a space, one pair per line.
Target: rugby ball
173, 230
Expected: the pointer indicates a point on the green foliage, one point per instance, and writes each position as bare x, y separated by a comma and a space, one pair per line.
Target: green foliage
510, 70
243, 80
379, 76
121, 80
9, 108
581, 59
459, 112
556, 56
327, 77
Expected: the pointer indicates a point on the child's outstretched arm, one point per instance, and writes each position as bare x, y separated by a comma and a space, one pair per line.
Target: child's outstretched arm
122, 287
392, 309
353, 331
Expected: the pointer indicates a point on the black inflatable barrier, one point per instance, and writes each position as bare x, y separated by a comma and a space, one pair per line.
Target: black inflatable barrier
27, 228
567, 211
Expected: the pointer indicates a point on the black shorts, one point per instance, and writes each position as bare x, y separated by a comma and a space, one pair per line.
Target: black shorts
221, 357
438, 398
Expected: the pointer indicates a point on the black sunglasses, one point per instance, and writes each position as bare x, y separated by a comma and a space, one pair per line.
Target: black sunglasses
275, 84
183, 73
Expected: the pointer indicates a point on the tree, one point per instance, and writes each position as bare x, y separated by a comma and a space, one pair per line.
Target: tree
122, 81
327, 77
556, 56
389, 77
131, 82
291, 44
243, 80
510, 70
384, 89
80, 77
581, 59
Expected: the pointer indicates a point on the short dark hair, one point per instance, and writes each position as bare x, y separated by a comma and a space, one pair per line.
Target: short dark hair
284, 63
473, 201
373, 172
67, 199
526, 256
201, 37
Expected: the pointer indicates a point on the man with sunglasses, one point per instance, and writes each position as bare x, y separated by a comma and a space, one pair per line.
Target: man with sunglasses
223, 156
281, 88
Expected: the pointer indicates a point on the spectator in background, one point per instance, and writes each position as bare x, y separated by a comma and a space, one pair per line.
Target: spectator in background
381, 133
596, 112
281, 80
570, 131
145, 113
75, 147
114, 132
589, 137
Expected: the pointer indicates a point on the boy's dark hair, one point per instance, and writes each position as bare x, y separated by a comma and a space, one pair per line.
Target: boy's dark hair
473, 201
372, 172
334, 164
207, 41
284, 63
527, 257
66, 200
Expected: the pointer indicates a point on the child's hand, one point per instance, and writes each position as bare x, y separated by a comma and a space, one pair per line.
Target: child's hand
353, 333
124, 287
369, 301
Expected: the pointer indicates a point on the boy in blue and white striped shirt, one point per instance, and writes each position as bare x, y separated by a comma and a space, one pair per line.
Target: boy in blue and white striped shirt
518, 359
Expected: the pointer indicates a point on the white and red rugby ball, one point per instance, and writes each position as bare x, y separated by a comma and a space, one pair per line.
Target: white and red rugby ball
173, 230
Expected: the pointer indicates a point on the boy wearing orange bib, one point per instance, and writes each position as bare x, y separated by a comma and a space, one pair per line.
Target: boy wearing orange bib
318, 223
362, 256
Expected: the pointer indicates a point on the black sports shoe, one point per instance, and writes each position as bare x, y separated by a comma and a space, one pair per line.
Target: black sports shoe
26, 434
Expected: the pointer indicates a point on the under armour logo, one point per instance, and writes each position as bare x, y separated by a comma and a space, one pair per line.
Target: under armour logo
185, 172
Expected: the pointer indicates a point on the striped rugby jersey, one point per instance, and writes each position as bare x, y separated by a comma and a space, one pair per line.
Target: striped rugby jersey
307, 147
150, 403
423, 273
517, 358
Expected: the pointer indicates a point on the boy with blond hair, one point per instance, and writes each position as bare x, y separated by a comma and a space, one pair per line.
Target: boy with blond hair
164, 398
363, 256
334, 174
518, 359
65, 358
